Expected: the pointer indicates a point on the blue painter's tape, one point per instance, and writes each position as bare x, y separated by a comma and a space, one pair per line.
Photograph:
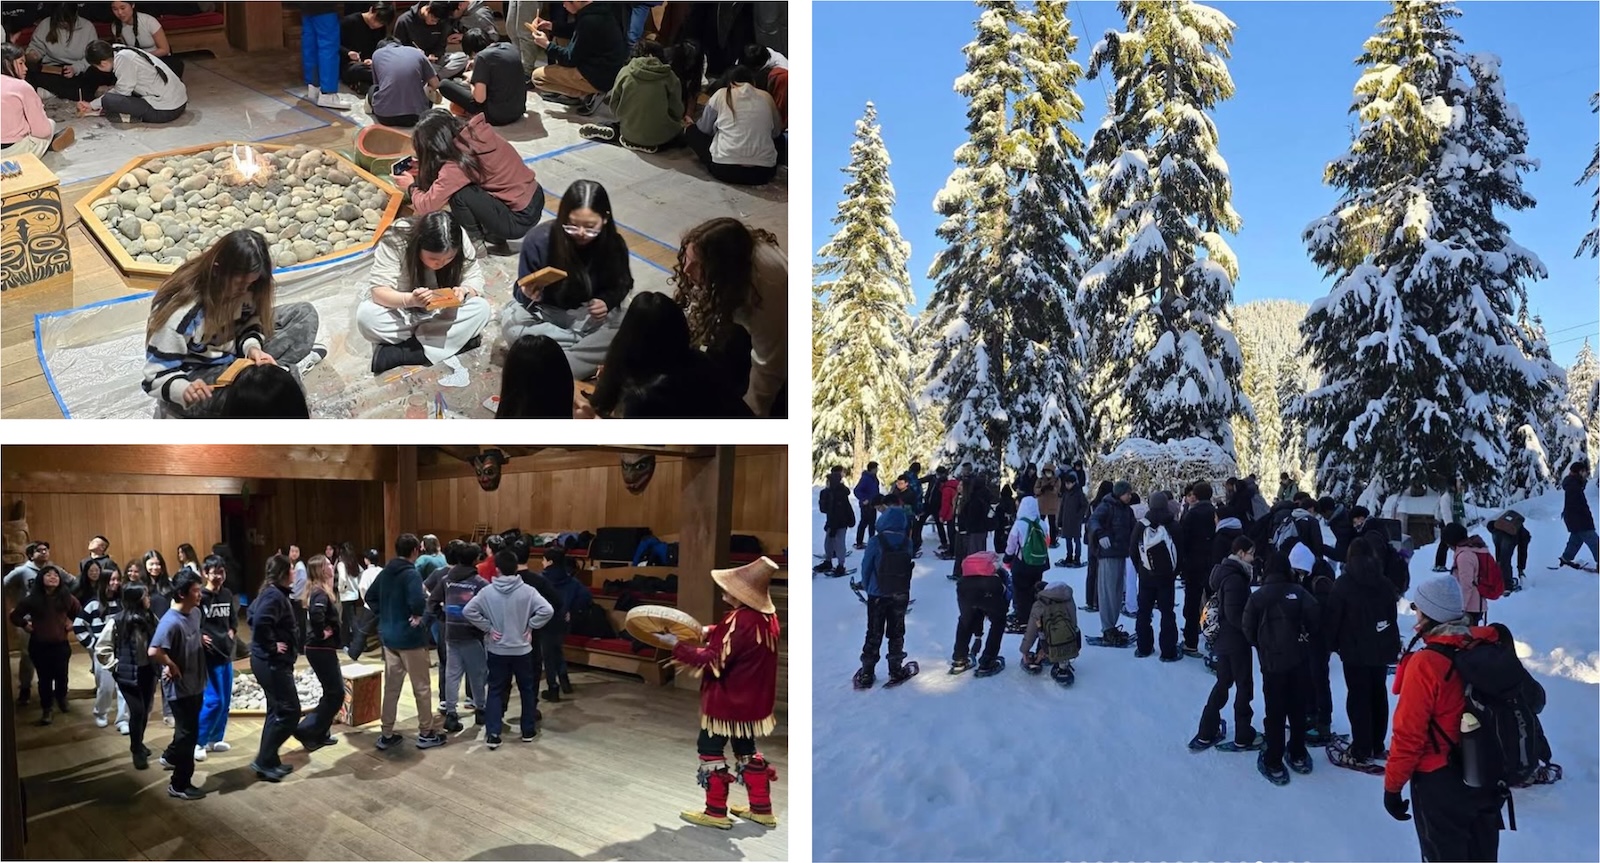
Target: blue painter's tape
49, 379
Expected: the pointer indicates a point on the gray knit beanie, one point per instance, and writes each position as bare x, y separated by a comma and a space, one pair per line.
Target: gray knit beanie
1439, 599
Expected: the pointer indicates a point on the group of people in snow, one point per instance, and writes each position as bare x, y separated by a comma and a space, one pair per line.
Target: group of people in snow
1288, 584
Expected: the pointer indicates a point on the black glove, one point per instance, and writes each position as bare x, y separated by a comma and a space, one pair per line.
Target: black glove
1009, 560
1399, 808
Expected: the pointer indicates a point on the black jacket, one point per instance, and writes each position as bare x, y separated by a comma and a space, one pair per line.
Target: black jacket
1230, 581
1575, 512
975, 514
321, 616
599, 47
1196, 530
1160, 560
1221, 542
1283, 643
1361, 620
834, 503
1395, 568
986, 592
272, 620
1074, 510
1113, 520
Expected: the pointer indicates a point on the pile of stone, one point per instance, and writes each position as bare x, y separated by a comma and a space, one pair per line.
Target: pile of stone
247, 694
308, 203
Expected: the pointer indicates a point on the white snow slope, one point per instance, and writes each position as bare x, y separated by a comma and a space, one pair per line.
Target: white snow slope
1014, 767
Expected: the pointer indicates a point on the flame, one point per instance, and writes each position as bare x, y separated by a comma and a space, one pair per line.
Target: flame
246, 162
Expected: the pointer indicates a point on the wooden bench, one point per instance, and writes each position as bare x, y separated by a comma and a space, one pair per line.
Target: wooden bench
619, 654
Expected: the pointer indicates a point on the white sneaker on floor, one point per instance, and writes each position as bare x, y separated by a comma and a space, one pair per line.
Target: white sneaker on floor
313, 92
122, 728
319, 352
199, 753
219, 746
167, 721
101, 721
333, 101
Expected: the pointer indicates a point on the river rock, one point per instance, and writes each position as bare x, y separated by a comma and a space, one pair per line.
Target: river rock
255, 202
371, 216
306, 214
256, 221
127, 182
160, 191
348, 213
304, 250
150, 230
175, 230
102, 213
142, 175
340, 177
194, 182
143, 212
153, 246
129, 226
308, 231
324, 212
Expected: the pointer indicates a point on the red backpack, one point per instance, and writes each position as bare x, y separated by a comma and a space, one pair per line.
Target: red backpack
1491, 581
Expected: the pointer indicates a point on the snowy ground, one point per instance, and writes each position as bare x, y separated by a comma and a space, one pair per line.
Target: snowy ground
1015, 767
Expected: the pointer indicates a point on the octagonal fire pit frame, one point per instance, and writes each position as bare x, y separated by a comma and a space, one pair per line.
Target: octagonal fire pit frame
134, 267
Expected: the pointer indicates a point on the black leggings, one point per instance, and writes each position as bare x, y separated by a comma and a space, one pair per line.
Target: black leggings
486, 217
717, 744
314, 726
1366, 705
50, 660
738, 175
140, 695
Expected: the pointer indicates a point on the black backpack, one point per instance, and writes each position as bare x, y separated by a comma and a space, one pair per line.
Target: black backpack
894, 568
1509, 746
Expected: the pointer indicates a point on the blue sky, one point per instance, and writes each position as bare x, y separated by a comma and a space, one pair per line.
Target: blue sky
1293, 70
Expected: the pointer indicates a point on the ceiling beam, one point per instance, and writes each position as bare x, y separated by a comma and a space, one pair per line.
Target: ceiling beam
57, 482
342, 462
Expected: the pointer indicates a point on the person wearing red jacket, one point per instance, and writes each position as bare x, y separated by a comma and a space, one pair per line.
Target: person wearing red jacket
947, 514
738, 669
1454, 821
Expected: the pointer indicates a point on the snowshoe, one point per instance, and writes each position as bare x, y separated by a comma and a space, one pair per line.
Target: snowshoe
1545, 774
864, 679
1173, 658
1585, 567
1200, 744
1339, 756
1440, 569
1016, 628
990, 669
1276, 775
1143, 652
822, 568
1300, 765
1090, 608
1036, 667
1077, 564
960, 666
907, 671
1193, 653
1255, 745
1063, 674
1099, 641
841, 572
1319, 736
1062, 563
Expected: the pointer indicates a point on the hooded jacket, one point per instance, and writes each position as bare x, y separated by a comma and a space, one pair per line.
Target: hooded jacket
648, 102
511, 608
1575, 511
866, 488
396, 596
891, 533
1281, 650
1466, 573
504, 174
1155, 550
1027, 510
1230, 581
947, 499
575, 596
598, 48
459, 585
1228, 530
1048, 491
1058, 592
1196, 530
273, 622
1360, 621
1074, 509
834, 503
976, 509
1113, 520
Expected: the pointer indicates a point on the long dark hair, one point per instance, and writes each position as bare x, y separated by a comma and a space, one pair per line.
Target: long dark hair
9, 55
133, 22
45, 601
264, 392
434, 140
653, 338
135, 618
536, 382
163, 584
88, 590
606, 253
725, 251
687, 62
203, 281
100, 51
435, 232
62, 16
351, 560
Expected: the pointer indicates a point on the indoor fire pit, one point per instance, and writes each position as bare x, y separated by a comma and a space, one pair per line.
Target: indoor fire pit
166, 208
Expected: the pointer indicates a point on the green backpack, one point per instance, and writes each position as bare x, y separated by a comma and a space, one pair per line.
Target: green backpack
1062, 638
1034, 550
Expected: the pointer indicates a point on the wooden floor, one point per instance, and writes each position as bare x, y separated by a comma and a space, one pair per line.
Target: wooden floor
605, 779
26, 393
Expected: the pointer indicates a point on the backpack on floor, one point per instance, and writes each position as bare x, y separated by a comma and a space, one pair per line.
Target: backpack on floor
1491, 581
1035, 551
1062, 637
1510, 746
894, 567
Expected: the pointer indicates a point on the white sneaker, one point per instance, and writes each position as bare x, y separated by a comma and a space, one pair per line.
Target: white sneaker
313, 92
219, 746
167, 721
199, 753
101, 721
333, 101
122, 728
319, 352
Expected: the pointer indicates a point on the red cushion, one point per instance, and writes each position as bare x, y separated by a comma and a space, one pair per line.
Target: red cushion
102, 29
190, 22
22, 36
576, 640
577, 552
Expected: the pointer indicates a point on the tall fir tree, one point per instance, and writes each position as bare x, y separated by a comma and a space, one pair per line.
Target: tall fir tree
1583, 393
862, 399
1276, 372
1550, 436
1050, 224
1591, 241
1164, 274
1421, 363
964, 328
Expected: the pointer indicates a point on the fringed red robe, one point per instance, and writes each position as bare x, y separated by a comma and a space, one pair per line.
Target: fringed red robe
741, 654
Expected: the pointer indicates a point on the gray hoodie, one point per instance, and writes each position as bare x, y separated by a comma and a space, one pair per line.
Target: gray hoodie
512, 608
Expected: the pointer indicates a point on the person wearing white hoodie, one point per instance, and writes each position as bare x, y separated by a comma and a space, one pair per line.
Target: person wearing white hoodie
509, 610
1025, 576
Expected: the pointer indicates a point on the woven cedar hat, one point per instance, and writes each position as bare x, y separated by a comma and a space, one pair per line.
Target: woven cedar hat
749, 583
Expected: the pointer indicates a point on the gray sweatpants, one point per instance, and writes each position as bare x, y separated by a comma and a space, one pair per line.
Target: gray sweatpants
519, 13
465, 656
1111, 576
583, 341
833, 546
443, 333
294, 333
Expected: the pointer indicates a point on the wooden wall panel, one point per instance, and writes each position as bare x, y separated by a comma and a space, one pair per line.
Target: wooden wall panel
588, 497
135, 523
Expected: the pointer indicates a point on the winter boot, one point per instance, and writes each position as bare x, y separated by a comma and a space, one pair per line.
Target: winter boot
715, 778
757, 777
552, 694
566, 685
823, 567
840, 572
1318, 735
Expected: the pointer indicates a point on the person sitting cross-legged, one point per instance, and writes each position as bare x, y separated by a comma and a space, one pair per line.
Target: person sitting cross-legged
648, 101
415, 265
584, 68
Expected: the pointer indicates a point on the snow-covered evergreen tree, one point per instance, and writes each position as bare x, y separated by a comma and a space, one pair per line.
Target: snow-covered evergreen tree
1591, 240
965, 325
1164, 274
862, 398
1583, 391
1044, 336
1276, 372
1550, 437
1421, 362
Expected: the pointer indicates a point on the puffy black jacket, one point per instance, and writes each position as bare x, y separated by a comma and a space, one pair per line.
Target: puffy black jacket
834, 503
1395, 568
1195, 532
1283, 644
987, 592
975, 515
1154, 558
1222, 541
1576, 514
1113, 520
273, 621
1230, 581
1361, 620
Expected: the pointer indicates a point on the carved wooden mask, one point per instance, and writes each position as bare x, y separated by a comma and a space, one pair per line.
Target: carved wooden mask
637, 471
488, 464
